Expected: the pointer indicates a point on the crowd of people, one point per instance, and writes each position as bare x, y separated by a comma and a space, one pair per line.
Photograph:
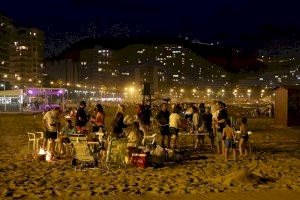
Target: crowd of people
211, 119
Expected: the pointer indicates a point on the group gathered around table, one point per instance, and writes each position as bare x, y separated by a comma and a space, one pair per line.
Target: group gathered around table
173, 122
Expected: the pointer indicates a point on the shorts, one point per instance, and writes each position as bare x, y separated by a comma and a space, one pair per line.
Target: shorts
173, 131
228, 143
245, 137
51, 135
164, 130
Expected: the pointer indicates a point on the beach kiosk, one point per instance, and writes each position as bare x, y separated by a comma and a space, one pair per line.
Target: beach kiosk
41, 99
11, 100
287, 105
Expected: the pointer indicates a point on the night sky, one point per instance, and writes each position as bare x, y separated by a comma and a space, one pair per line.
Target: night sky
227, 21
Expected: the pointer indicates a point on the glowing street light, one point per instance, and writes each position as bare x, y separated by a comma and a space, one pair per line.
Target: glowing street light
51, 82
182, 90
194, 90
5, 76
208, 92
249, 93
3, 85
131, 90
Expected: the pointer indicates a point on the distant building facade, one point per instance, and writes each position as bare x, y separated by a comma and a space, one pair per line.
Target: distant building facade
21, 54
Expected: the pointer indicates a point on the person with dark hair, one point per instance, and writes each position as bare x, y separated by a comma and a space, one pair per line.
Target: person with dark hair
99, 120
228, 136
220, 122
207, 121
244, 137
162, 119
81, 117
174, 124
118, 123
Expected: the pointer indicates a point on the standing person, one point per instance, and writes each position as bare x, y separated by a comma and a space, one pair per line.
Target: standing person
244, 137
81, 117
196, 125
175, 123
118, 122
52, 127
220, 122
201, 112
207, 119
215, 112
99, 119
228, 135
141, 117
162, 118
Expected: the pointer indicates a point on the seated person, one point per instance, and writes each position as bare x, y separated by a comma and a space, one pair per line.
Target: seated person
66, 131
135, 138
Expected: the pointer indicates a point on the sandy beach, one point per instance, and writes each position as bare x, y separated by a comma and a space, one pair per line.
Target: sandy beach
273, 164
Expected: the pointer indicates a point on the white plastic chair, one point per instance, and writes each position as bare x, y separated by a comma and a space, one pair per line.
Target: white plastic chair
38, 139
116, 152
31, 139
149, 139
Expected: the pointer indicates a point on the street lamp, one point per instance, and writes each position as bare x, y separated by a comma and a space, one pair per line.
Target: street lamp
249, 93
131, 89
3, 85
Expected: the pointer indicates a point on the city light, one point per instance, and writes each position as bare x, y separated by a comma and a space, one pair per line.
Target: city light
5, 76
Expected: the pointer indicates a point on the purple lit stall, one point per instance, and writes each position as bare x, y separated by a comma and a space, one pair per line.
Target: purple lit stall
41, 99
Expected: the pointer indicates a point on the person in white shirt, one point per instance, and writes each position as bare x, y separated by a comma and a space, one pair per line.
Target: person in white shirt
52, 126
175, 123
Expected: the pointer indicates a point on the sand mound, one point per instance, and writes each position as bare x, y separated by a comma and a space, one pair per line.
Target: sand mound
240, 177
244, 177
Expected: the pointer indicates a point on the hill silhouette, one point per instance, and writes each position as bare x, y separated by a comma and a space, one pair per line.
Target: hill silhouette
219, 55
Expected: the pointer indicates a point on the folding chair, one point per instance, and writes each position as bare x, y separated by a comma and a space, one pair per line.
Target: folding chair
84, 154
116, 153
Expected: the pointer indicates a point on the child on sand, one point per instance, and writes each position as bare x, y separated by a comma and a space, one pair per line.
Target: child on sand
228, 135
244, 137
